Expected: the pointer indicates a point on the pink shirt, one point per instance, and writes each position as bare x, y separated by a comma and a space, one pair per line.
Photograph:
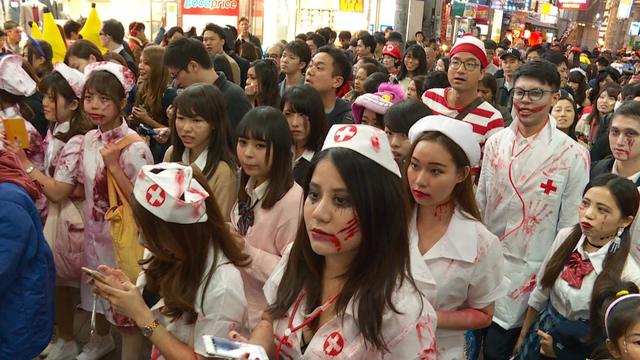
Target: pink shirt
265, 242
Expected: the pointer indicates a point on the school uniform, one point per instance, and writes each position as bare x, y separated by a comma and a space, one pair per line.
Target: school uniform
222, 309
301, 166
266, 240
408, 334
550, 171
468, 263
223, 182
98, 244
570, 301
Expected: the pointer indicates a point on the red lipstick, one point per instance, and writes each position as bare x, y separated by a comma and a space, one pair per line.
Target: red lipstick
419, 195
320, 235
585, 225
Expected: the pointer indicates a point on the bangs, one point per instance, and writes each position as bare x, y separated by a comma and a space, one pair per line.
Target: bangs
106, 84
254, 128
297, 103
54, 84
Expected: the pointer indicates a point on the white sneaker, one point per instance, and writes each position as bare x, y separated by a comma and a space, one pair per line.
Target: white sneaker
97, 347
64, 350
52, 345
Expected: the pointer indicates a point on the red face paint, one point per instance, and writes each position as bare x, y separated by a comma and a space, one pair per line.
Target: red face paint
323, 236
530, 110
352, 228
630, 142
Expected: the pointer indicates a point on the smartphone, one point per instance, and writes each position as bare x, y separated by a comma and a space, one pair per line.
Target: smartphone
96, 275
146, 130
222, 348
16, 131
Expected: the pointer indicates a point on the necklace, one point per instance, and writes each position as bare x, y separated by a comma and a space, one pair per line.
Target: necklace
594, 245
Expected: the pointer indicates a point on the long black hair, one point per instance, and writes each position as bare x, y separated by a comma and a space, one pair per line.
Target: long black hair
267, 76
306, 100
417, 52
375, 193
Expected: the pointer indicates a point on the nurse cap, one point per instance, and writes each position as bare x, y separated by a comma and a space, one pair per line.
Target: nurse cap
74, 78
458, 131
122, 73
169, 191
13, 78
365, 140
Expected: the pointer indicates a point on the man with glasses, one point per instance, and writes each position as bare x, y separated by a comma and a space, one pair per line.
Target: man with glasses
189, 63
460, 101
490, 46
531, 184
274, 52
14, 35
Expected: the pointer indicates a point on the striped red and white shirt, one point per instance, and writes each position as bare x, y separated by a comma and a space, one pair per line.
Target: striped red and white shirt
485, 119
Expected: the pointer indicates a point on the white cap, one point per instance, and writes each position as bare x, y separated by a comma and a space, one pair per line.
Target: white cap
13, 78
169, 191
74, 78
122, 73
365, 140
458, 131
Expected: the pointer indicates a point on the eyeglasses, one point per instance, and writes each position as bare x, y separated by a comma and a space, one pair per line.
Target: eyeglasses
469, 65
533, 94
272, 56
174, 76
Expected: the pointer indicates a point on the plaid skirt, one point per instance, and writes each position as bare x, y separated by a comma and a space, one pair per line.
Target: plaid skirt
530, 349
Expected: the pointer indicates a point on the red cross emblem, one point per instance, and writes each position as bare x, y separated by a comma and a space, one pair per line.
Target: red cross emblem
375, 142
345, 133
155, 195
548, 187
334, 344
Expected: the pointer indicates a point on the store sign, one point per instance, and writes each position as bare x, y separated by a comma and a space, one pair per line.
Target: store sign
624, 9
469, 10
634, 29
210, 7
352, 5
457, 9
482, 14
580, 5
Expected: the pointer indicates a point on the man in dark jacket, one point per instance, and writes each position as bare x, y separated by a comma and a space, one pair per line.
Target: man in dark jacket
27, 272
112, 37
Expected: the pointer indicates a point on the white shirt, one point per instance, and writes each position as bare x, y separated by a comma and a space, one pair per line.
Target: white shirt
201, 160
224, 307
118, 49
256, 193
570, 302
550, 175
467, 261
306, 154
408, 335
634, 177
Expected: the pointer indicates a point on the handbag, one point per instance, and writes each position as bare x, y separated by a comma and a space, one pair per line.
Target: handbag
127, 250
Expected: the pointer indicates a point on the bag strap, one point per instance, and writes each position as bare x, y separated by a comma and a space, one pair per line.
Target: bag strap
469, 108
116, 196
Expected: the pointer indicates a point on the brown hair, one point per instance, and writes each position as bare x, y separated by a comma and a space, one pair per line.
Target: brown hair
462, 193
115, 58
105, 83
151, 91
179, 257
83, 49
626, 197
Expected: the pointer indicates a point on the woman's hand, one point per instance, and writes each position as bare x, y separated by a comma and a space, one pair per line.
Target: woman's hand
141, 114
111, 155
123, 296
516, 349
162, 135
250, 89
20, 154
546, 344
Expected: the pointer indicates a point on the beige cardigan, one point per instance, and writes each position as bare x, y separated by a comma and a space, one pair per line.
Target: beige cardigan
223, 183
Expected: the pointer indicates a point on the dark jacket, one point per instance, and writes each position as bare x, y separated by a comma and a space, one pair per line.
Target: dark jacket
27, 277
237, 102
600, 148
131, 64
504, 97
341, 114
244, 66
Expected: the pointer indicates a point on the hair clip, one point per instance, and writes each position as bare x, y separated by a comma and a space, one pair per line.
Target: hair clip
622, 293
37, 44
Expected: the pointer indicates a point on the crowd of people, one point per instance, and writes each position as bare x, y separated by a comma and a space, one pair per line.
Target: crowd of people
347, 196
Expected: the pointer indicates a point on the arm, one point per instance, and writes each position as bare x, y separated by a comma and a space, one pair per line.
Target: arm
466, 319
481, 192
223, 185
262, 262
16, 231
262, 334
531, 316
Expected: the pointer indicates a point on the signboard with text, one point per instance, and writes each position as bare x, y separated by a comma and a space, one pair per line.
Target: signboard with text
580, 5
352, 5
198, 13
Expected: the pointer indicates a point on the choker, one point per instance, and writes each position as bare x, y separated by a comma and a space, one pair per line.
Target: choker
593, 245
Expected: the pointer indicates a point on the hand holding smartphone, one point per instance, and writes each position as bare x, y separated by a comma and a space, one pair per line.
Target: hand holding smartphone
222, 348
96, 275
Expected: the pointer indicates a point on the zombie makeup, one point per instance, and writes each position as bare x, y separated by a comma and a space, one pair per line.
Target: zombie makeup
623, 138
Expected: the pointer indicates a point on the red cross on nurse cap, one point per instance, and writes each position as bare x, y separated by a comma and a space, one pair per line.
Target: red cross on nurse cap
365, 140
169, 191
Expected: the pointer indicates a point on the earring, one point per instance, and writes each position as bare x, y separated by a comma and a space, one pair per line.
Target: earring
616, 242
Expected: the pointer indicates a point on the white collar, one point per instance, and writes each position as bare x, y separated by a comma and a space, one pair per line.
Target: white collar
546, 134
62, 128
200, 162
118, 49
614, 170
256, 194
306, 154
455, 244
597, 257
